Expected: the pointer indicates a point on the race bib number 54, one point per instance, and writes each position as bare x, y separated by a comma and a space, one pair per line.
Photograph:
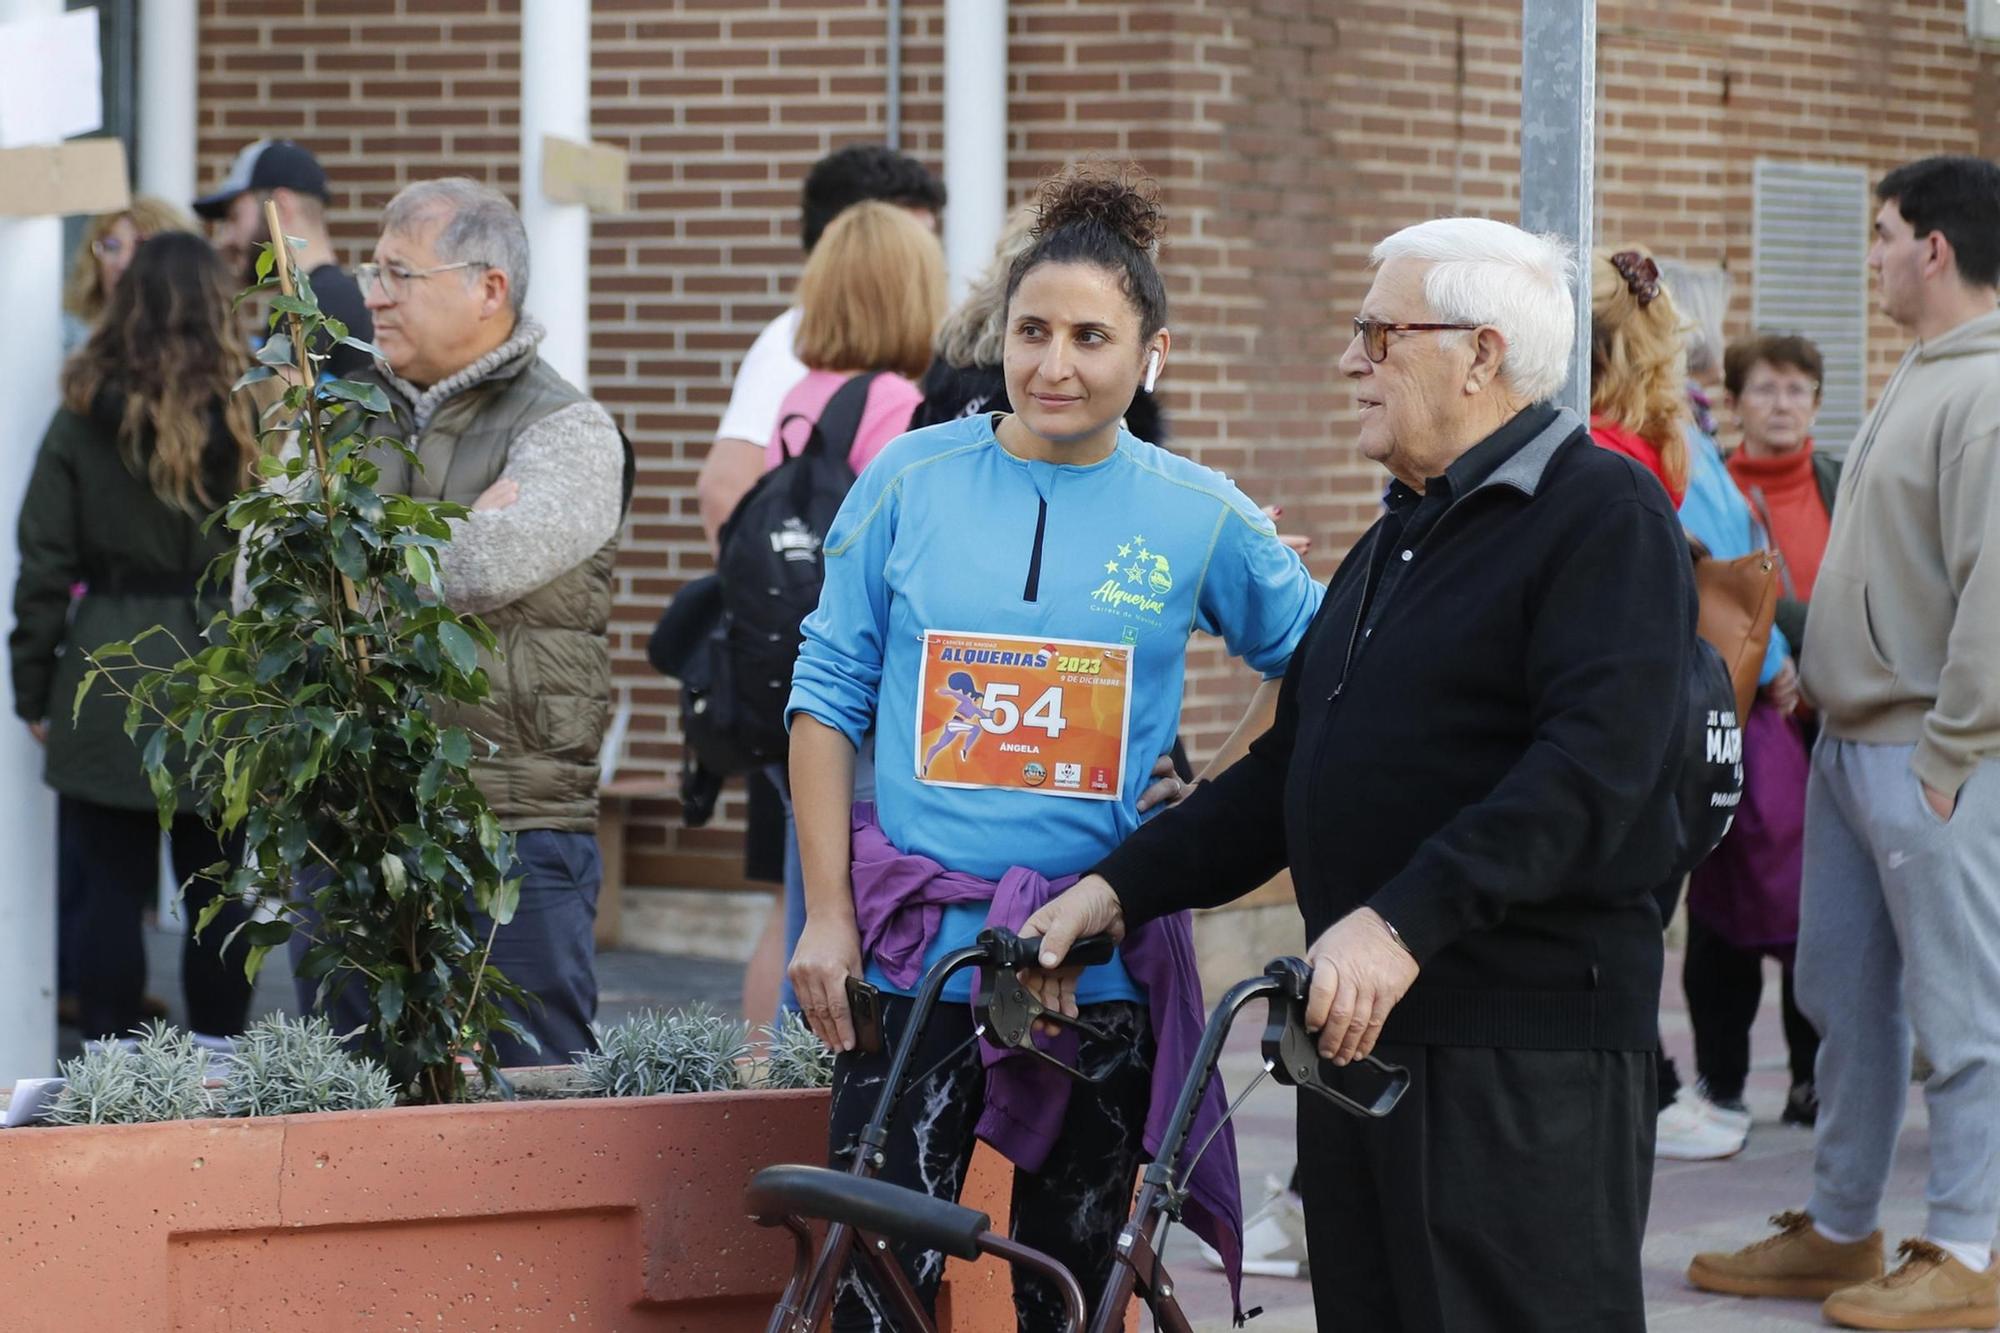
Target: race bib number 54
1043, 715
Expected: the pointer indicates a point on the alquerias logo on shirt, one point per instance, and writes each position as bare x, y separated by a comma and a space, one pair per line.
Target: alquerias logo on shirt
1136, 583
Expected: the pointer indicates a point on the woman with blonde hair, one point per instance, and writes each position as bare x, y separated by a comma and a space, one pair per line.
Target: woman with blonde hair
109, 242
1638, 366
869, 304
148, 443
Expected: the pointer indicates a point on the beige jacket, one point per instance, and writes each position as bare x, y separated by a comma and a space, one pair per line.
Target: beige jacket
1903, 644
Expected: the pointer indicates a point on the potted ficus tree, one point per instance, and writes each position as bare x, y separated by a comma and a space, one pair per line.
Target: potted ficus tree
304, 725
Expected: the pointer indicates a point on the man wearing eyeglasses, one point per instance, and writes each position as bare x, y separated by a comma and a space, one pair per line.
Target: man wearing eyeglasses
546, 473
1471, 778
291, 177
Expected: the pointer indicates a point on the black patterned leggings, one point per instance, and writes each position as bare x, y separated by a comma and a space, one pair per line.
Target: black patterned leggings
1072, 1209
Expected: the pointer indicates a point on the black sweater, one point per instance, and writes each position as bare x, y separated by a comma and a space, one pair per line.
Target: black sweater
1489, 765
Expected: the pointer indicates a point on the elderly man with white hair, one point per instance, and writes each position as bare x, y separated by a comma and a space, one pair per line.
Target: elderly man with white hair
1471, 779
546, 473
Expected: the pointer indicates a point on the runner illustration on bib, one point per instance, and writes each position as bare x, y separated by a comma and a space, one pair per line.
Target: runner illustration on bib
1060, 711
964, 720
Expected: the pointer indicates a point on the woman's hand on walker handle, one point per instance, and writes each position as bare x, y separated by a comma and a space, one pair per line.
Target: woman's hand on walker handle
1360, 972
829, 953
1088, 907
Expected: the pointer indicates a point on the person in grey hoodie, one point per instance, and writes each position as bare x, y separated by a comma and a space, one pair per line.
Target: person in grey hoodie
1900, 922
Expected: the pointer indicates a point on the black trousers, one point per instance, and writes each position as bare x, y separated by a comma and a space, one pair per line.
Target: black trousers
1506, 1193
1072, 1209
117, 868
1724, 986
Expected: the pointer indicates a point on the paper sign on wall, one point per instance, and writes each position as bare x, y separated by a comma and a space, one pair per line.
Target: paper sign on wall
51, 80
82, 176
591, 174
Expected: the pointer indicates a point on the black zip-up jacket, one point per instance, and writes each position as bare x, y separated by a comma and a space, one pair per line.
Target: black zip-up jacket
1487, 757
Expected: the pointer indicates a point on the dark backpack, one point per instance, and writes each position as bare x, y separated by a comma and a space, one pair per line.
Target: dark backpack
770, 568
1711, 783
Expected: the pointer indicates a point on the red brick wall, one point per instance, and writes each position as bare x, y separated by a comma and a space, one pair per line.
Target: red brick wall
1288, 135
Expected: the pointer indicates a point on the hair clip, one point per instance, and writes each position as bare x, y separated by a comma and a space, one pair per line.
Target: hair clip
1641, 274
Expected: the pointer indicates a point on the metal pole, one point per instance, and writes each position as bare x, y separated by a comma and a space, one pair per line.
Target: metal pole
1558, 149
975, 135
894, 137
555, 99
31, 270
166, 117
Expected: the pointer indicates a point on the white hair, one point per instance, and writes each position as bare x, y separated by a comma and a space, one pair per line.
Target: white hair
1487, 272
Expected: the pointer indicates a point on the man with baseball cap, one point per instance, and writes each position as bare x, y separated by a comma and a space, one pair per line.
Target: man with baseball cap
292, 178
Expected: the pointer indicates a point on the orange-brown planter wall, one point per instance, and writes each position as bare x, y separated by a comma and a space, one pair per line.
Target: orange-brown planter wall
587, 1215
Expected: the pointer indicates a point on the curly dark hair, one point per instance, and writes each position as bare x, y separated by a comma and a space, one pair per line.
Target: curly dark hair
860, 172
168, 347
1108, 216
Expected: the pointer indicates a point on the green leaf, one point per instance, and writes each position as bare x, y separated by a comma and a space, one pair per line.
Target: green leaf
395, 876
292, 305
369, 396
389, 999
276, 351
455, 745
458, 646
506, 900
267, 260
82, 688
251, 376
370, 348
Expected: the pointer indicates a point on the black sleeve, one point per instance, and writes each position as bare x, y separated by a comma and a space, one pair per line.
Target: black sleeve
51, 564
1221, 842
1791, 619
1608, 651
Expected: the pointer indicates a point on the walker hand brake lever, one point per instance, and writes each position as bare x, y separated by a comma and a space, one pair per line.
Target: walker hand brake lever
1292, 1055
1012, 1010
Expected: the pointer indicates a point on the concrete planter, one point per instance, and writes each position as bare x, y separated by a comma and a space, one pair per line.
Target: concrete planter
589, 1214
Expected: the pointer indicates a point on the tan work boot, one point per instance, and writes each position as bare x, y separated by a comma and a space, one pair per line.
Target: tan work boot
1797, 1263
1929, 1289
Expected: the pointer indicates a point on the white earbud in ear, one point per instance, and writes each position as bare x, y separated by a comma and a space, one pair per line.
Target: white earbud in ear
1152, 369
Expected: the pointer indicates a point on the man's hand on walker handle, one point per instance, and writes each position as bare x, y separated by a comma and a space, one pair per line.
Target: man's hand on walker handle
829, 953
1088, 907
1360, 971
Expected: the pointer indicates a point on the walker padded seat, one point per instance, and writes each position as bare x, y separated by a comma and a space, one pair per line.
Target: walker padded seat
874, 1206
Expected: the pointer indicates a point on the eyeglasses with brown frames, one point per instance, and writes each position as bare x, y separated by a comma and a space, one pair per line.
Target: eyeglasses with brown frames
1374, 334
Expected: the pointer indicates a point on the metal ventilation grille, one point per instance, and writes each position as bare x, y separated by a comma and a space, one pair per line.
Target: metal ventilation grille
1809, 252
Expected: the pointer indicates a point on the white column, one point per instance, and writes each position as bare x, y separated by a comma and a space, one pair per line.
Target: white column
975, 135
166, 119
31, 293
555, 99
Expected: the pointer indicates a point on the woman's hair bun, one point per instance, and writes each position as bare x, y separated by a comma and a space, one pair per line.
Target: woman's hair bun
1119, 197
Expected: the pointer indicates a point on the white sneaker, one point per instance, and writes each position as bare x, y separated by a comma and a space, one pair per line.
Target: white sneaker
1274, 1237
1735, 1119
1688, 1132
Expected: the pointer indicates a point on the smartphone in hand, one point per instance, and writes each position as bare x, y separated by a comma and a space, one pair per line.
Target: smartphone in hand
864, 1007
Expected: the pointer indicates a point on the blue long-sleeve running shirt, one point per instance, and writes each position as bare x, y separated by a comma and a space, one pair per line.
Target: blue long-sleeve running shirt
946, 531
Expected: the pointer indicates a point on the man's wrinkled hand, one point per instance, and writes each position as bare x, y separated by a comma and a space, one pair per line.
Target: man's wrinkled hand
1089, 907
829, 953
1360, 972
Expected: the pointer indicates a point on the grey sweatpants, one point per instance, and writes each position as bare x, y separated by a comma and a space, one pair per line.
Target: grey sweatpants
1900, 927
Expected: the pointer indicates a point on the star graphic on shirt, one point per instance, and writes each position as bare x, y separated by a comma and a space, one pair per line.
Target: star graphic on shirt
1139, 541
1124, 550
1111, 566
1145, 554
1133, 573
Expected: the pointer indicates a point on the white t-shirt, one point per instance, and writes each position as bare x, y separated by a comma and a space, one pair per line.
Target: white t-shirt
767, 374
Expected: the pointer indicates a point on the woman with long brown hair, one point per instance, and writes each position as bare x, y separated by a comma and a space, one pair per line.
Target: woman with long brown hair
148, 443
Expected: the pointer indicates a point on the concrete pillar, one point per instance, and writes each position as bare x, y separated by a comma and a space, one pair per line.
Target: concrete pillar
1559, 149
975, 135
555, 99
166, 113
31, 274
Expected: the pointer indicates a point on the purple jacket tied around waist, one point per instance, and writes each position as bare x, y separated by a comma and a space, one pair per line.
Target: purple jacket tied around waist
897, 902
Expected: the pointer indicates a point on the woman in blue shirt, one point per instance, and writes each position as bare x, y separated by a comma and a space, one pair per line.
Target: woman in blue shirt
1036, 575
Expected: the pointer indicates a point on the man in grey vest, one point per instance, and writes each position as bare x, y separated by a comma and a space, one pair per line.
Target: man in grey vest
543, 469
